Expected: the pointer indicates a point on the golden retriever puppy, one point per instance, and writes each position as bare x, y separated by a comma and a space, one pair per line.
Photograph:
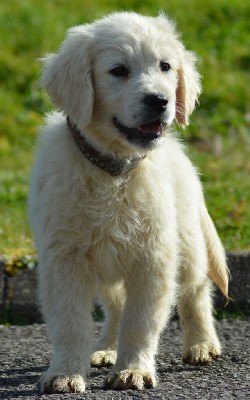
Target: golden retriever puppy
117, 208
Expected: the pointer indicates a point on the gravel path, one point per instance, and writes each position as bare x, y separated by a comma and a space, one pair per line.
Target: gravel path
25, 353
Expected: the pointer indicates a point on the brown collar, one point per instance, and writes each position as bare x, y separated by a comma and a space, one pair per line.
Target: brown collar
106, 162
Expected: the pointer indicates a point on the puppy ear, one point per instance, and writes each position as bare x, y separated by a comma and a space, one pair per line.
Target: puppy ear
188, 88
67, 76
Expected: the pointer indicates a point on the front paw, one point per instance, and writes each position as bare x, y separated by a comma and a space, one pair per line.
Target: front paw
61, 383
201, 353
129, 379
103, 358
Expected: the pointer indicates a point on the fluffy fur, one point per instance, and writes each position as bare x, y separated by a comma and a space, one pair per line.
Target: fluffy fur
141, 241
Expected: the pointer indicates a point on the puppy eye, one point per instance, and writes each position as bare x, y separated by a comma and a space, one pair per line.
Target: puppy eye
119, 70
165, 67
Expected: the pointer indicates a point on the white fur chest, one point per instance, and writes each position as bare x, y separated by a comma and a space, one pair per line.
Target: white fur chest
130, 219
113, 221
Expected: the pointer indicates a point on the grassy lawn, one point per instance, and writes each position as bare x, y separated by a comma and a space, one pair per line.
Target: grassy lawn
216, 30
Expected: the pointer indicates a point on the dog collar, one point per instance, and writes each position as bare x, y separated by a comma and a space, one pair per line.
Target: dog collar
106, 162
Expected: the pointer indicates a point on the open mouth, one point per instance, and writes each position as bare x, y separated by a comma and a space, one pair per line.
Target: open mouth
144, 135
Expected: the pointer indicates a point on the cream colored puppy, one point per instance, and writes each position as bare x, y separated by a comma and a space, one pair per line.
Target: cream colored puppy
117, 208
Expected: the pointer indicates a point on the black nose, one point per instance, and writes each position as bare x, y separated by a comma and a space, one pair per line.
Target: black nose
156, 101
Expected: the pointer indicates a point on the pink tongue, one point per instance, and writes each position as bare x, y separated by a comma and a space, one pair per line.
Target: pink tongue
150, 128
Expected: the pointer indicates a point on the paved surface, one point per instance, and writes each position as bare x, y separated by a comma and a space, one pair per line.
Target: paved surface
25, 353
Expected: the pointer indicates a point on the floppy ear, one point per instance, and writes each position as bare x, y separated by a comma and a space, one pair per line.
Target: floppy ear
67, 76
188, 88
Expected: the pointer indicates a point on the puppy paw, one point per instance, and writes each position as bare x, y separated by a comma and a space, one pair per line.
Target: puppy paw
201, 353
103, 358
61, 383
129, 379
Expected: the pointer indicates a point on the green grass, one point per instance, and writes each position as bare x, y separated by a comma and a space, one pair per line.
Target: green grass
226, 185
216, 30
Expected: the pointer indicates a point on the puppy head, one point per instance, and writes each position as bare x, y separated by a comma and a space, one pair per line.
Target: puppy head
123, 78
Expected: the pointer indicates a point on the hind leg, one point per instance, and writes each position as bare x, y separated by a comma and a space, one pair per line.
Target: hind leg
105, 350
201, 344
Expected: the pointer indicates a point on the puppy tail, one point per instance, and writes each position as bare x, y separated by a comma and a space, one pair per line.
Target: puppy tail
217, 267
